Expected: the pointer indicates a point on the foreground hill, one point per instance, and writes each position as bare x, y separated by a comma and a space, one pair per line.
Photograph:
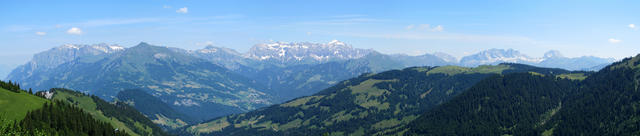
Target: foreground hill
15, 105
118, 115
67, 113
378, 103
605, 103
499, 105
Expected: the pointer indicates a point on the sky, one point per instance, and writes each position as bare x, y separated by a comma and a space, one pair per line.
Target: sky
574, 27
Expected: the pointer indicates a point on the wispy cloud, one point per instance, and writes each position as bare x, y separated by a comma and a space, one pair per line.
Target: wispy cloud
128, 21
443, 36
411, 26
107, 22
437, 28
183, 10
74, 31
633, 26
614, 41
41, 33
166, 6
342, 21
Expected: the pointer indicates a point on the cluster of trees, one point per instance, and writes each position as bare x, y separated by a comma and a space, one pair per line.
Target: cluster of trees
607, 104
513, 104
60, 118
14, 87
10, 128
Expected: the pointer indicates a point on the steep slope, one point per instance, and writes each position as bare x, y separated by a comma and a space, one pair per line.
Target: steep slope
50, 59
154, 108
198, 87
606, 104
512, 104
15, 105
378, 103
67, 113
118, 115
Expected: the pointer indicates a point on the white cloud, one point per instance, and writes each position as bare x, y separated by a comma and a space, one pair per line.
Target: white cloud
438, 28
341, 21
166, 6
633, 26
308, 33
411, 26
446, 37
41, 33
424, 26
74, 30
183, 10
611, 40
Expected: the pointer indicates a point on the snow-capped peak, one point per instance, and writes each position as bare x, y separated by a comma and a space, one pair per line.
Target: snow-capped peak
116, 47
70, 46
301, 51
336, 42
494, 56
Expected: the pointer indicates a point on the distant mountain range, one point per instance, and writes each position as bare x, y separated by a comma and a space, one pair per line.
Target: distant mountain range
215, 81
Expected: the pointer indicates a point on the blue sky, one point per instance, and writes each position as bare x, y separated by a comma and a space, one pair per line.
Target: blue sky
576, 28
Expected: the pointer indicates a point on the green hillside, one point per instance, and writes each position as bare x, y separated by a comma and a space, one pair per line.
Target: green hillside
119, 115
608, 103
602, 103
512, 104
378, 103
14, 106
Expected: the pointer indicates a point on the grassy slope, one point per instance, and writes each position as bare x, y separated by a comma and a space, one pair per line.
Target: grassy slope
87, 104
14, 106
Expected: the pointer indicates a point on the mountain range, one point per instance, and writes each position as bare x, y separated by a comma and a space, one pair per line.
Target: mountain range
387, 99
197, 85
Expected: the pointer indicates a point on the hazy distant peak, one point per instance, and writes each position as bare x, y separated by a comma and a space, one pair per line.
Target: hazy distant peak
445, 56
553, 54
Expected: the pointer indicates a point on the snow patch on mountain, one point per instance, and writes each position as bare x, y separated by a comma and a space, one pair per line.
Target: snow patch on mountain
305, 52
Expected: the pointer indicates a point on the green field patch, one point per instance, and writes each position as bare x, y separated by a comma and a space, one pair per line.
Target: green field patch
454, 70
366, 87
292, 124
573, 76
14, 106
211, 126
301, 101
173, 123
